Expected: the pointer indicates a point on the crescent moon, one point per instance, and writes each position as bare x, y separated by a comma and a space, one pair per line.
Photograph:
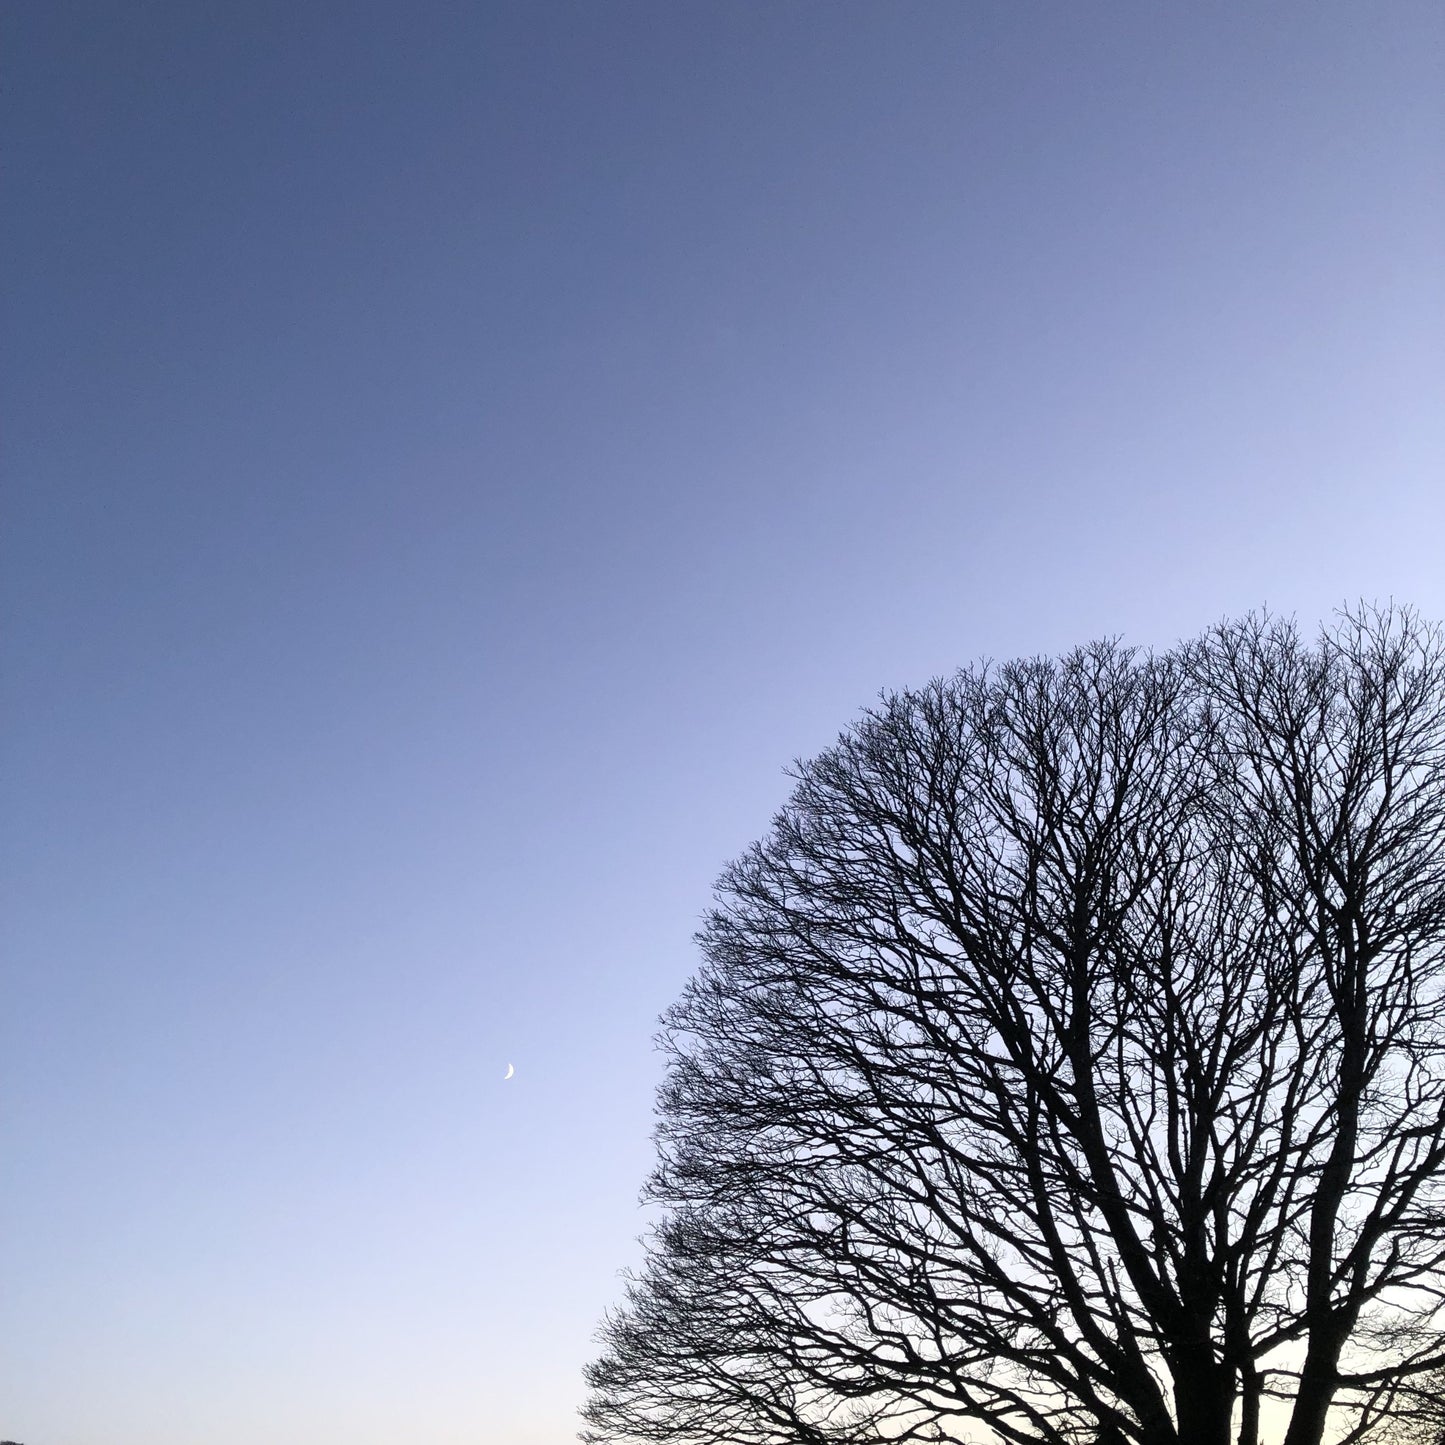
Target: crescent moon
509, 1073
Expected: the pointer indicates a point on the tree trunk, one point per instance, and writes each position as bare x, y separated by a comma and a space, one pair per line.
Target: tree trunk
1249, 1406
1204, 1402
1312, 1403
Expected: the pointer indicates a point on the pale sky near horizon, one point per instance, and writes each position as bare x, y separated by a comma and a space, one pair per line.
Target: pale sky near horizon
455, 456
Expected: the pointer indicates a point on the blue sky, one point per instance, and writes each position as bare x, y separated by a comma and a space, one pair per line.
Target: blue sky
455, 456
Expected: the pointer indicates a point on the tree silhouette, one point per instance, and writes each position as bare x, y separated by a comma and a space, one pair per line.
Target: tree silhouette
1069, 1059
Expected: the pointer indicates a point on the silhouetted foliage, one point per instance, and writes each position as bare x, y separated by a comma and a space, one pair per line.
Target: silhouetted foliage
1070, 1058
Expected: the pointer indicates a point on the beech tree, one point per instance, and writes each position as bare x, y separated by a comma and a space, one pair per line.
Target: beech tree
1068, 1065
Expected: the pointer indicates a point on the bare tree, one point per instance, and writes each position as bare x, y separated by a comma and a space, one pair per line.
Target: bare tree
1420, 1413
1069, 1059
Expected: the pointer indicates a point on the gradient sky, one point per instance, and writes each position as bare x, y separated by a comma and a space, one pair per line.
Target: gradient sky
455, 455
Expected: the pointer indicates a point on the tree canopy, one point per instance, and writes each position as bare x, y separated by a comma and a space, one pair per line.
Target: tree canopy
1069, 1061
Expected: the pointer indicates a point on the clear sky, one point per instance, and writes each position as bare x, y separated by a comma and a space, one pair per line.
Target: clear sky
455, 455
